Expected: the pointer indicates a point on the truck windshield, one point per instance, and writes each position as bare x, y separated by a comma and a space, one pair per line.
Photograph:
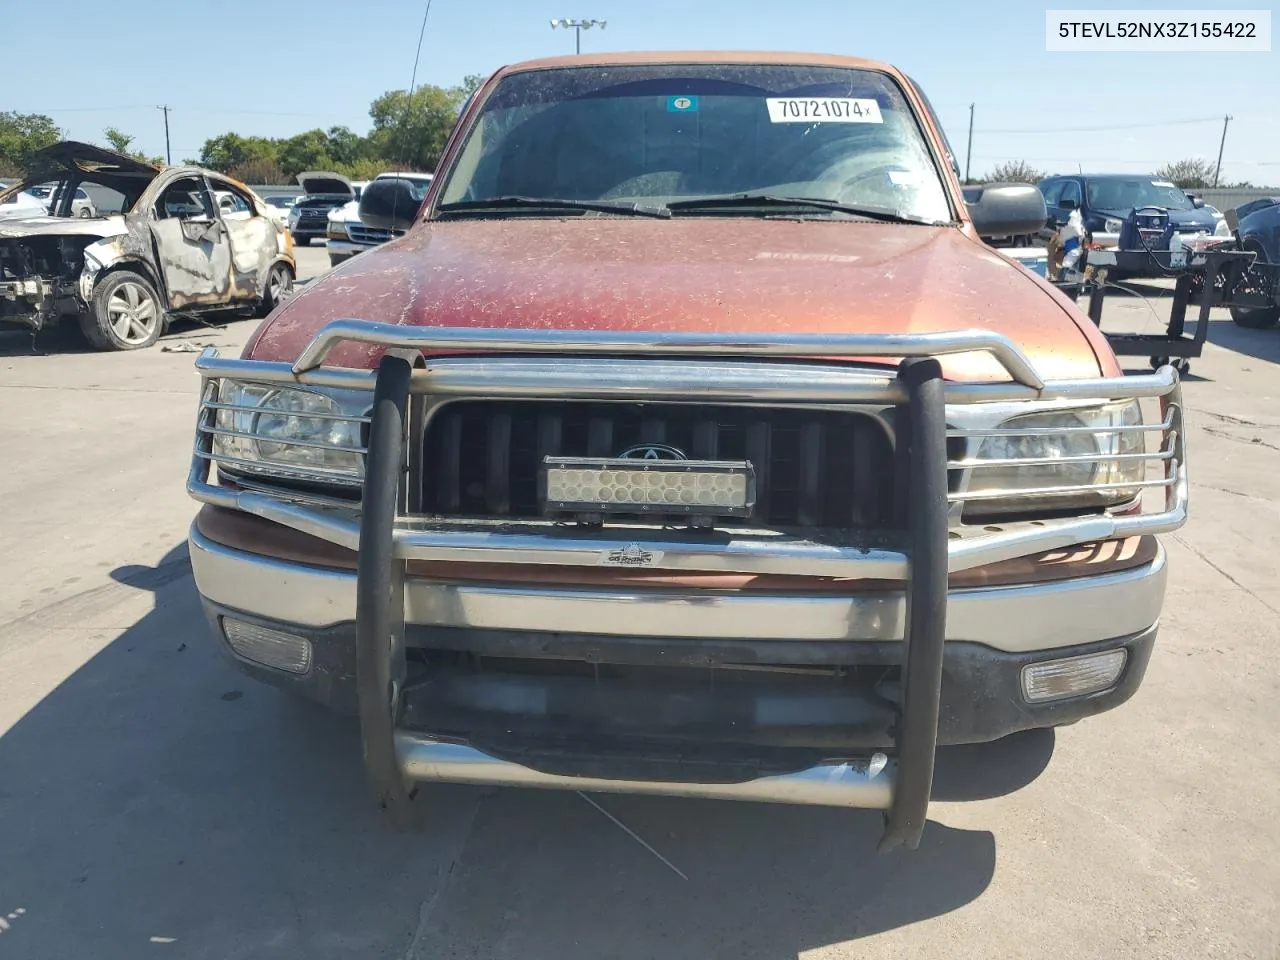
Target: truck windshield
655, 134
1115, 193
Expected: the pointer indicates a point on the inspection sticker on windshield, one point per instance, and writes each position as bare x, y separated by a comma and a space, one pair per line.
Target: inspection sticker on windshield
823, 110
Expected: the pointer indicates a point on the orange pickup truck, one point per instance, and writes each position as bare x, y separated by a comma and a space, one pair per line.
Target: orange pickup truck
690, 441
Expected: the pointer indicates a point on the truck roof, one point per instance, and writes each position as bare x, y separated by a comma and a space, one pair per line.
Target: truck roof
700, 56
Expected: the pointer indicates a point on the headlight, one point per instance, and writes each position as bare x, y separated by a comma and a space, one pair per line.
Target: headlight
1112, 225
286, 431
293, 217
337, 230
1221, 229
1064, 462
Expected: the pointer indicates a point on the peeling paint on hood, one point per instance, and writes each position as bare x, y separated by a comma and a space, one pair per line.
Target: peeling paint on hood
724, 275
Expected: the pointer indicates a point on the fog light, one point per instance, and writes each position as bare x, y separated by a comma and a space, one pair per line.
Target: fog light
271, 648
695, 487
1072, 676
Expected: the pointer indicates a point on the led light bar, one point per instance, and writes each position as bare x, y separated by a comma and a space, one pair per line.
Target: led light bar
711, 488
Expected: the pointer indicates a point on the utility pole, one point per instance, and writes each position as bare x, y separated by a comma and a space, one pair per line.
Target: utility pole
168, 155
968, 153
1218, 169
577, 26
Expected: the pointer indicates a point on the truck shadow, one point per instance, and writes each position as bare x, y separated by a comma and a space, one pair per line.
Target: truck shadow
157, 793
1259, 344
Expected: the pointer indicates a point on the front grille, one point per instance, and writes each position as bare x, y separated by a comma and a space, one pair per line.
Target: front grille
359, 233
814, 468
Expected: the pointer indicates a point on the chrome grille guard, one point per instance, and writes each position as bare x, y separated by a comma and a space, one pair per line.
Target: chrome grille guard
385, 534
643, 367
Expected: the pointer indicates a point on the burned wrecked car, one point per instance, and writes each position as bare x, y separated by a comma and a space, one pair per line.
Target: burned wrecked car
155, 246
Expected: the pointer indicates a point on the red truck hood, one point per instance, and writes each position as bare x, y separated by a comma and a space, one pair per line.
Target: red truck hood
726, 275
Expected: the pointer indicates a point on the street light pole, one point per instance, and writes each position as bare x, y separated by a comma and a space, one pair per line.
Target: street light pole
578, 26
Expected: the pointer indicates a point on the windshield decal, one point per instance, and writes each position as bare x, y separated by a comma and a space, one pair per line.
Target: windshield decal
823, 110
682, 104
1161, 183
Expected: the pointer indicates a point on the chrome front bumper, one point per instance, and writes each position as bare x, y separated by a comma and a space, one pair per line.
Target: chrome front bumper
1013, 619
864, 784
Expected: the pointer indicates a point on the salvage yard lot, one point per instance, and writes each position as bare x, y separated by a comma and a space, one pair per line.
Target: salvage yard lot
152, 799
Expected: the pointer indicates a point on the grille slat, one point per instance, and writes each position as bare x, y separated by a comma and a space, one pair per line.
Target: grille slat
497, 492
653, 431
810, 499
706, 440
814, 468
600, 438
758, 452
450, 472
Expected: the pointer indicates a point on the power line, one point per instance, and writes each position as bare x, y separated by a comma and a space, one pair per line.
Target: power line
1124, 126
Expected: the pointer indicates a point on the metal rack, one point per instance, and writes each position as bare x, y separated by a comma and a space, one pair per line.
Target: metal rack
1209, 278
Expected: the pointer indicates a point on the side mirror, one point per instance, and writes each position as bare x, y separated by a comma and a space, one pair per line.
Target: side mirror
1006, 209
1068, 204
1197, 202
389, 203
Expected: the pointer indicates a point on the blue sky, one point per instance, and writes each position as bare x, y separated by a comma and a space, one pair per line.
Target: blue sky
231, 65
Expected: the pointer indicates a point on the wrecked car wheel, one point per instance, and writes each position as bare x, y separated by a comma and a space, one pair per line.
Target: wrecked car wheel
279, 286
125, 313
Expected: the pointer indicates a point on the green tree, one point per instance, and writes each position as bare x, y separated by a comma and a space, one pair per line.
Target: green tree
365, 169
230, 150
1188, 174
117, 139
305, 151
470, 84
259, 172
346, 147
411, 130
22, 134
1014, 171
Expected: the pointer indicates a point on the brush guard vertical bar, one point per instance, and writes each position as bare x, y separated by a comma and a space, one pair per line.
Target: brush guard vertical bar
926, 510
380, 657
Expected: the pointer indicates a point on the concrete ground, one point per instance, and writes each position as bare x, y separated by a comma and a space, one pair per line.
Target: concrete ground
153, 802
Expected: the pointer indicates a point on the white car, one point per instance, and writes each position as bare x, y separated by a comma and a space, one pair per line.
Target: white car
81, 204
279, 206
21, 205
347, 236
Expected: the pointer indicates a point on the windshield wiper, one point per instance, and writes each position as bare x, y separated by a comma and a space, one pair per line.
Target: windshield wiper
730, 201
498, 204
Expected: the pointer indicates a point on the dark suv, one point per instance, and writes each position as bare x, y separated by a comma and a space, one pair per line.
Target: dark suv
1105, 200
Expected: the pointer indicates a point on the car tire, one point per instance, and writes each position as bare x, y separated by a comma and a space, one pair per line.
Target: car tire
1256, 318
84, 213
279, 285
125, 313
